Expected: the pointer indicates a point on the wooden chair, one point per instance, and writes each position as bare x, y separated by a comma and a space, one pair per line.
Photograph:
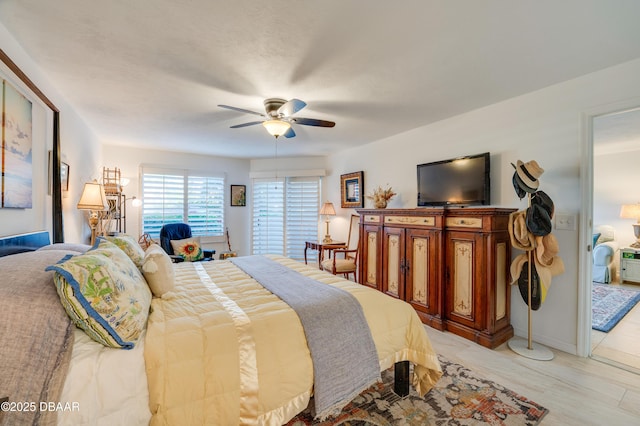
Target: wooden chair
347, 263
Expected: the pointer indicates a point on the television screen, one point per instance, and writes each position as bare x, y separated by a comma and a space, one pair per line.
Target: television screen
455, 182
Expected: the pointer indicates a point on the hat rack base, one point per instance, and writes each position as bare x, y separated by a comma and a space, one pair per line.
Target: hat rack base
537, 352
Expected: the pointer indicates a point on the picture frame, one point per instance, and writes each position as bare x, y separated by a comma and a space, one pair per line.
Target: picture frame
238, 195
64, 176
352, 190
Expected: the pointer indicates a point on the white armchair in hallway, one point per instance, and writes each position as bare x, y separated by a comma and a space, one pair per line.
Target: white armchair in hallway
604, 254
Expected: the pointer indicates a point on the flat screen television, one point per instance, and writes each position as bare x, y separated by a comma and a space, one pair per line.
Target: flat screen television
462, 181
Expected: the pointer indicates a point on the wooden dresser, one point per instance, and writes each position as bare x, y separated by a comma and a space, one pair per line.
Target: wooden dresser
450, 264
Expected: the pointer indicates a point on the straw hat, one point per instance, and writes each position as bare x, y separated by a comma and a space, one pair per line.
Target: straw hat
529, 173
546, 249
521, 237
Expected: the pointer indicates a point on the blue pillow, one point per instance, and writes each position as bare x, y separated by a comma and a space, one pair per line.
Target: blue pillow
595, 238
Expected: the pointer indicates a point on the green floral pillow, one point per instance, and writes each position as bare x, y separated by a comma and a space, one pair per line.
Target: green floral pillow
105, 294
130, 246
188, 249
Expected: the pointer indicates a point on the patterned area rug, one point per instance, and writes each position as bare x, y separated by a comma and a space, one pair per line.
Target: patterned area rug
609, 304
459, 398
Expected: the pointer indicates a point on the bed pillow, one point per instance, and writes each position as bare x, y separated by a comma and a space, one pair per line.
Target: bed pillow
189, 249
158, 270
104, 293
130, 246
595, 239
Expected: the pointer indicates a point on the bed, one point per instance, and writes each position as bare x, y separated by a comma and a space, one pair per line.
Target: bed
217, 348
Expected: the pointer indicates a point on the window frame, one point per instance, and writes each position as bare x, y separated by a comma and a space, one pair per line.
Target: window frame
286, 206
186, 173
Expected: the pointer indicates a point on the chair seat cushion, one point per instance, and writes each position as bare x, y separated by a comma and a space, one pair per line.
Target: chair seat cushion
342, 265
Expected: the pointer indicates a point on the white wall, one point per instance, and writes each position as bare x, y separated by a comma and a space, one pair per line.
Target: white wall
614, 184
544, 126
79, 148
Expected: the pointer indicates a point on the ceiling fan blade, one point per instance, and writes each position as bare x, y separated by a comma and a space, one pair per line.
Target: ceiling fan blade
291, 107
241, 110
313, 122
251, 123
289, 133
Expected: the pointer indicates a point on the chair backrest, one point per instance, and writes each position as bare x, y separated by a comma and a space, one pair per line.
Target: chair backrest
173, 231
354, 232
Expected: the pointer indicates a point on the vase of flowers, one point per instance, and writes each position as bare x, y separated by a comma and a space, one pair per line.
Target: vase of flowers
381, 197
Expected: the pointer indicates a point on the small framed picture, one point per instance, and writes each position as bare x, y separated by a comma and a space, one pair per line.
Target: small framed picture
238, 195
64, 176
351, 190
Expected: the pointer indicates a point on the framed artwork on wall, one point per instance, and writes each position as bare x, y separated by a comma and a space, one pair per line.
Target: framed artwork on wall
238, 195
352, 190
17, 149
64, 176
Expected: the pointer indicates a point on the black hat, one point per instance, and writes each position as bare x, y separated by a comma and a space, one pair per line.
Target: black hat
517, 185
536, 290
538, 220
543, 200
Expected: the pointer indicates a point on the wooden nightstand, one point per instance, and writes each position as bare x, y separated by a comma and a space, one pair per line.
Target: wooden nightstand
630, 265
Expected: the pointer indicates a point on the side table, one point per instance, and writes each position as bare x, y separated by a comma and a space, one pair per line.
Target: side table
630, 265
321, 247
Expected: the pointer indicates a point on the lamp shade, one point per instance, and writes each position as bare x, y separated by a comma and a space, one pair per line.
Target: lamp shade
93, 197
276, 127
327, 209
630, 211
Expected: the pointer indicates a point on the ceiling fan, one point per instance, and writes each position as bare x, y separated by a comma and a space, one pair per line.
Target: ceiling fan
279, 117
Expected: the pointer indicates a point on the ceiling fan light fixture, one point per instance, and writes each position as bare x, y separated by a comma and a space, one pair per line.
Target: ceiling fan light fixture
276, 127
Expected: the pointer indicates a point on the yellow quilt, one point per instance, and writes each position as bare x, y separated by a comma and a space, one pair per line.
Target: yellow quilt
223, 350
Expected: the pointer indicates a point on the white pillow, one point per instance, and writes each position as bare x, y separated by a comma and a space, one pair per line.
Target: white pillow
158, 270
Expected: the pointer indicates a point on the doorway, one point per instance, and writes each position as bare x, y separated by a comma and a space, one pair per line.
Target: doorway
614, 147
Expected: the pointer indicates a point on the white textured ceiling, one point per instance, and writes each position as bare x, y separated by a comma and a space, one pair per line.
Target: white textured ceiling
152, 72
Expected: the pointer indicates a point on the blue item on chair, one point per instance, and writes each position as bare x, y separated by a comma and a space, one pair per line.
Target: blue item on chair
178, 231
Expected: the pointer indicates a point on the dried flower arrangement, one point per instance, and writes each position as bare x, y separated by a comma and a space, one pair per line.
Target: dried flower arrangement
381, 197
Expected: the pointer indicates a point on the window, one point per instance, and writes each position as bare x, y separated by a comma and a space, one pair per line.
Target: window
285, 215
182, 196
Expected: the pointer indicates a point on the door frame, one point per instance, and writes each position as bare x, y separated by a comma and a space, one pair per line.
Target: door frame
583, 340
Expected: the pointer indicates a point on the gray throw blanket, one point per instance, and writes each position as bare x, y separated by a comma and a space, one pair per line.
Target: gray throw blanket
345, 360
36, 337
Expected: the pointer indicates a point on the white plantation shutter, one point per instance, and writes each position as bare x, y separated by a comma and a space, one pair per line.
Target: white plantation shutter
170, 196
303, 198
268, 216
205, 205
285, 215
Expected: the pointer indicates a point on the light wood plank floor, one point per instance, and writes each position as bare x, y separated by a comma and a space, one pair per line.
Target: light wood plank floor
621, 345
577, 391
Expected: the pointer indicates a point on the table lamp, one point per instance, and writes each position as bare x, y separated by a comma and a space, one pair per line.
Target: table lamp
93, 199
632, 211
327, 210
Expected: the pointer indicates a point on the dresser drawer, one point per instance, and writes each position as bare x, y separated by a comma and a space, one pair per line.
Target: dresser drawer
410, 220
371, 218
464, 222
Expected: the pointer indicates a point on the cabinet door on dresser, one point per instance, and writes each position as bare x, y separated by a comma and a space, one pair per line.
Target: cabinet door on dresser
393, 262
370, 254
422, 273
463, 280
411, 269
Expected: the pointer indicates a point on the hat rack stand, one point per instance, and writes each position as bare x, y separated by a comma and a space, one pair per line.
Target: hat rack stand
528, 348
